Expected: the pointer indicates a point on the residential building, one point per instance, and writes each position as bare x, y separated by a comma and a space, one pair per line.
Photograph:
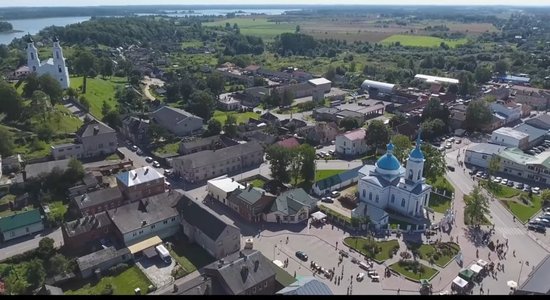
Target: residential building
537, 281
177, 121
321, 133
537, 101
516, 163
11, 163
320, 87
208, 164
228, 103
22, 72
289, 143
140, 183
86, 231
509, 110
215, 236
136, 130
542, 121
35, 170
247, 272
254, 95
200, 144
306, 286
97, 201
325, 114
94, 139
263, 138
457, 116
250, 203
46, 289
352, 143
480, 154
220, 188
21, 224
293, 124
54, 67
336, 182
388, 186
350, 114
102, 260
293, 206
510, 137
196, 286
146, 218
270, 118
536, 135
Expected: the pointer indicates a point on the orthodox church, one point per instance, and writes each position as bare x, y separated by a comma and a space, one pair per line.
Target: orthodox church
54, 66
388, 186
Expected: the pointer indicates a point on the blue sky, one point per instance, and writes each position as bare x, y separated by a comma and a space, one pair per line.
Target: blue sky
11, 3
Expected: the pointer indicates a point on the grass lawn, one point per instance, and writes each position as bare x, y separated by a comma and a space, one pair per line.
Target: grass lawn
427, 274
99, 90
123, 284
57, 208
60, 120
499, 190
427, 250
421, 41
191, 44
39, 149
190, 256
170, 148
522, 211
439, 203
358, 243
257, 26
241, 117
113, 156
441, 183
258, 182
402, 224
322, 174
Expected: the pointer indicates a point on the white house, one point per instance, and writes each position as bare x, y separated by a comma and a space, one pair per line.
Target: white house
20, 224
387, 185
293, 206
53, 66
220, 188
511, 111
510, 137
351, 143
479, 154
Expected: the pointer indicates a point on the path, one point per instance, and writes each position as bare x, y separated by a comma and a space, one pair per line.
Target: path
147, 81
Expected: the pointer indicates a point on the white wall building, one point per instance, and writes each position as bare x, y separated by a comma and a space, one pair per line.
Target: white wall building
510, 111
220, 188
351, 143
479, 154
53, 66
510, 137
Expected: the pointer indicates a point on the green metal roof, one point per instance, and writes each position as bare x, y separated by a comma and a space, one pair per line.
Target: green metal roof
19, 220
516, 155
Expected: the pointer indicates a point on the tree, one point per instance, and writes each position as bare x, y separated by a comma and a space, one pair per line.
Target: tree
435, 110
434, 165
106, 67
46, 248
545, 196
57, 264
482, 74
201, 104
331, 73
214, 127
10, 101
378, 134
156, 131
477, 205
7, 145
478, 115
84, 101
112, 118
402, 145
295, 164
51, 87
16, 283
84, 62
287, 98
432, 128
297, 29
278, 158
40, 104
105, 108
74, 172
31, 84
493, 168
71, 93
230, 127
216, 84
308, 162
349, 123
35, 272
501, 67
397, 120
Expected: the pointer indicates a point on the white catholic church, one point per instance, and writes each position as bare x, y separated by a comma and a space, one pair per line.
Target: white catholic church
388, 186
54, 66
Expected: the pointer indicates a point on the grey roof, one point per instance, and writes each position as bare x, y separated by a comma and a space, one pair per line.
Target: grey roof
202, 219
86, 224
269, 116
34, 170
139, 176
201, 142
49, 290
537, 282
152, 210
533, 132
250, 195
541, 121
306, 286
241, 271
326, 110
134, 123
209, 157
375, 213
338, 178
97, 197
90, 180
170, 116
350, 113
199, 285
94, 127
485, 148
291, 201
94, 259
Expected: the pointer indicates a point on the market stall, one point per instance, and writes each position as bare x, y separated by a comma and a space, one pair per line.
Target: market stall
318, 216
459, 284
467, 275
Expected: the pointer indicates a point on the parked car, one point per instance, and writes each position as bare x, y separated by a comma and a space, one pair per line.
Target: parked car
504, 181
301, 255
327, 200
451, 168
448, 145
156, 164
536, 227
479, 174
168, 172
519, 186
485, 176
510, 183
543, 221
497, 180
458, 141
335, 194
360, 276
535, 190
148, 159
134, 148
331, 152
139, 152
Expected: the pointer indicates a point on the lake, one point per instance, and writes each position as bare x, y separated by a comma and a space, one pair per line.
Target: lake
222, 12
33, 26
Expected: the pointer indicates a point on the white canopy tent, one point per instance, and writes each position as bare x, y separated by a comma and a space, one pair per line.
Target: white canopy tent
482, 263
476, 268
278, 263
460, 282
317, 216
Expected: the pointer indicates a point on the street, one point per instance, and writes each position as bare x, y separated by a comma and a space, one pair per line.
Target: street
23, 244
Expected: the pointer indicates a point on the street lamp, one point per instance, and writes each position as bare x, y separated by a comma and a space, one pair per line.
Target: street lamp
521, 268
274, 247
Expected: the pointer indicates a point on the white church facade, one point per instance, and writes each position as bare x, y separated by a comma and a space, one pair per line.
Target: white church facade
388, 186
54, 66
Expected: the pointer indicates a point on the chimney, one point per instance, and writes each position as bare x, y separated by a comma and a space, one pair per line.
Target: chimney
220, 263
146, 170
135, 175
143, 223
263, 193
96, 130
256, 265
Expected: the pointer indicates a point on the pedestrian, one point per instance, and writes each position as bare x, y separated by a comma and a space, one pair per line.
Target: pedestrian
514, 253
398, 290
507, 243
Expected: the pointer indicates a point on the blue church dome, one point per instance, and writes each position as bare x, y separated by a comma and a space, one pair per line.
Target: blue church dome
417, 153
388, 161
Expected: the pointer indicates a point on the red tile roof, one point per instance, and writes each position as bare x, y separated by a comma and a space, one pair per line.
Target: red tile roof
289, 143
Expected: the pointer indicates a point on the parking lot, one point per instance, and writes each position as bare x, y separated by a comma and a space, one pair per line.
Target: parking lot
158, 271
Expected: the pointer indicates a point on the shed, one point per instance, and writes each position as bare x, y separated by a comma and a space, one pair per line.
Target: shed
318, 215
476, 268
460, 282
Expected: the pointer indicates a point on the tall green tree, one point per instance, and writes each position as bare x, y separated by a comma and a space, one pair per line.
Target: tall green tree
31, 84
378, 134
278, 158
51, 87
40, 104
397, 120
402, 145
478, 115
482, 74
74, 172
46, 247
36, 273
295, 164
112, 118
349, 123
434, 109
106, 67
10, 101
308, 162
477, 205
230, 127
287, 98
216, 84
432, 128
84, 62
493, 168
214, 127
434, 165
7, 145
201, 104
501, 67
16, 282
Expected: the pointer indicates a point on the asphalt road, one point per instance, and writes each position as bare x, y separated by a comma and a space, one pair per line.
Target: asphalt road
25, 244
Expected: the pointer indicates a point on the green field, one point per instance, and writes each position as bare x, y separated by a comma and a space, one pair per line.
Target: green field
522, 211
439, 203
241, 117
170, 148
421, 41
190, 256
258, 182
123, 284
358, 243
444, 252
403, 270
322, 174
60, 119
257, 26
99, 90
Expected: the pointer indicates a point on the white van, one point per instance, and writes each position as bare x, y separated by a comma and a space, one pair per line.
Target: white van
163, 253
364, 266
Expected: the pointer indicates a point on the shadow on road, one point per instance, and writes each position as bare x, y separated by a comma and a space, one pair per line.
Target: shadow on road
477, 236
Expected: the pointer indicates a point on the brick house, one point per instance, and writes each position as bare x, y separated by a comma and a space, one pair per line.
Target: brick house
250, 202
140, 183
85, 231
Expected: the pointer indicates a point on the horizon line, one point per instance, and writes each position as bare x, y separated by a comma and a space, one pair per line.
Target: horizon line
285, 5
